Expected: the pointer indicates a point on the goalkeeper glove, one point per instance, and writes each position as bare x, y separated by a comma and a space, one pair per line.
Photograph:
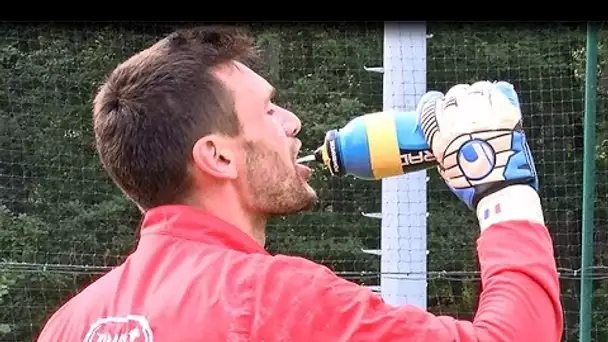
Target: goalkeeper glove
475, 133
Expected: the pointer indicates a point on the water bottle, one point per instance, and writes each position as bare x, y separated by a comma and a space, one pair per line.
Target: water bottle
375, 146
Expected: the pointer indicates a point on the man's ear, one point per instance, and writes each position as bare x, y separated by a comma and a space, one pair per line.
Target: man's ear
214, 156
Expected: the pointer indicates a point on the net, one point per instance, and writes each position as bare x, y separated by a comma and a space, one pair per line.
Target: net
62, 222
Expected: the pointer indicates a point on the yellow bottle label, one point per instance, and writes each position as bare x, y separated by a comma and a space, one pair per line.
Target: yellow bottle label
384, 154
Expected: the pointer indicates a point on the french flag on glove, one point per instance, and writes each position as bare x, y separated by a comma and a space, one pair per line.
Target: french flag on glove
491, 211
514, 203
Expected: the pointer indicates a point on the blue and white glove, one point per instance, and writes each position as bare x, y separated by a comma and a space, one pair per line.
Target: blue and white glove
475, 133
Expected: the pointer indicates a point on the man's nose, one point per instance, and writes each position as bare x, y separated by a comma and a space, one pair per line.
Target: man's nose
291, 123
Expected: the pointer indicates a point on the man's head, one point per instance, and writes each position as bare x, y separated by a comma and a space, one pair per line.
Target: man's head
187, 121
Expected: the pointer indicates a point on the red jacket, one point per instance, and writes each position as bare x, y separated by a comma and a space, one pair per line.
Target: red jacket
196, 278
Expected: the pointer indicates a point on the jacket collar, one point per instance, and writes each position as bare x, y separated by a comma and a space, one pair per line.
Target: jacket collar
189, 223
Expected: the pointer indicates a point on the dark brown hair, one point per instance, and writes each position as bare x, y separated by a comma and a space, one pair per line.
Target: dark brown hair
153, 107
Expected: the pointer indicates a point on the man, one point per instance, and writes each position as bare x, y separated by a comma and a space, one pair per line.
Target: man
190, 133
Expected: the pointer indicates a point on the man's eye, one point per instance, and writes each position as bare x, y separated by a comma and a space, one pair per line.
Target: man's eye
270, 112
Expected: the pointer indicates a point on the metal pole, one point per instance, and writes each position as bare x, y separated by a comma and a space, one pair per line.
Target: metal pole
404, 211
586, 294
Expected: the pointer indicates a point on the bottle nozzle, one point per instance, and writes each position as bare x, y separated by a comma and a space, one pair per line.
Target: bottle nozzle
306, 159
318, 154
325, 154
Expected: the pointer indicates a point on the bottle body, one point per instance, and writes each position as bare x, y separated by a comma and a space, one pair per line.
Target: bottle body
377, 145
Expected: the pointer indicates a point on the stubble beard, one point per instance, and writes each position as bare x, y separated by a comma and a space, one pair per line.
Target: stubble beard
276, 187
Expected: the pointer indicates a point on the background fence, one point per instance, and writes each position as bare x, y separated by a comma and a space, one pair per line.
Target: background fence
62, 222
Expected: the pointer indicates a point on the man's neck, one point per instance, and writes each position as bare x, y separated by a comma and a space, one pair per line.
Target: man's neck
252, 224
257, 230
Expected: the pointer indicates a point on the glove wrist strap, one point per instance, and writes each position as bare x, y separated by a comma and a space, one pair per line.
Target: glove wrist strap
513, 203
485, 190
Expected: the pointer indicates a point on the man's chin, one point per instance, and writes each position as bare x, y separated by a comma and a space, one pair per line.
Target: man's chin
302, 207
310, 190
305, 202
312, 196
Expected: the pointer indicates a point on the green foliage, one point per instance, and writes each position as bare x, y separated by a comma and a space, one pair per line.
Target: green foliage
61, 219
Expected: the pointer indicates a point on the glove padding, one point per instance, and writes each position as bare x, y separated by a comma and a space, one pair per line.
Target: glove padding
475, 133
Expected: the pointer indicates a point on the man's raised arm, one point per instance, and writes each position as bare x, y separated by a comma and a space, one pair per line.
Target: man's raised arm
475, 133
520, 301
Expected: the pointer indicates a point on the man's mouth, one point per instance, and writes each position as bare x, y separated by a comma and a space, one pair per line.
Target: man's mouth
304, 171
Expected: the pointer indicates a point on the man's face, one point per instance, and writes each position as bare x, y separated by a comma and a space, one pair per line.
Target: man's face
269, 179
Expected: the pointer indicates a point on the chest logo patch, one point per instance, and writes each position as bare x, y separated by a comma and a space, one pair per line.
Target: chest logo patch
130, 328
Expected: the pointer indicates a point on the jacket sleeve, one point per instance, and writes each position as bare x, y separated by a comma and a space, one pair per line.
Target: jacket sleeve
302, 301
